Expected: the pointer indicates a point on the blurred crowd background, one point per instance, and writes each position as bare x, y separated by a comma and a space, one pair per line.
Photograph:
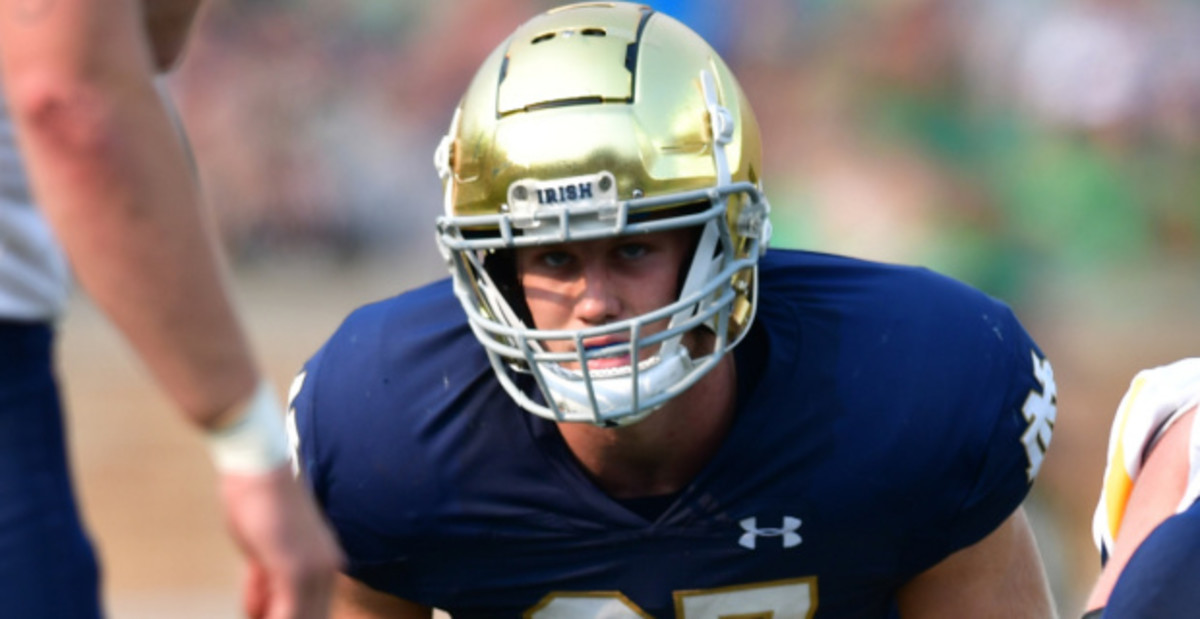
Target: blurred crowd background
1002, 141
1047, 152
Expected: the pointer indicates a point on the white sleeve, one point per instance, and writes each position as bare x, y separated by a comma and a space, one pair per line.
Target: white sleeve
1155, 399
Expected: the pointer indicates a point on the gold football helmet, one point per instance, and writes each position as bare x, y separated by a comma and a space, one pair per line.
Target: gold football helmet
596, 120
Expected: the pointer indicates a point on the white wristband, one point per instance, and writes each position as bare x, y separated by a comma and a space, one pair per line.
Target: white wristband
255, 441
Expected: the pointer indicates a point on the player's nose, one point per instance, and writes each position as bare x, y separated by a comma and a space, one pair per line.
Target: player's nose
597, 302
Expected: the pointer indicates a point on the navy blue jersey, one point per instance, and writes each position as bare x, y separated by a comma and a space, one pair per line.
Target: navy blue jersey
1159, 581
887, 417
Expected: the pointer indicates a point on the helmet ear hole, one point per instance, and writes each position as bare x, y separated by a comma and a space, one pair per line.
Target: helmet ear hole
501, 266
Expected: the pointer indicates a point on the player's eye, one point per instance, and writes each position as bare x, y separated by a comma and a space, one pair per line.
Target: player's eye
554, 259
632, 251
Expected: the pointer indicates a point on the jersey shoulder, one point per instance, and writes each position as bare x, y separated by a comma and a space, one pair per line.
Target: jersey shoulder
390, 369
937, 383
400, 408
864, 290
405, 337
917, 329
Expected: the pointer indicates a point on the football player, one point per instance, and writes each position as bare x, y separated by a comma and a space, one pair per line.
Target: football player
111, 182
1147, 522
621, 404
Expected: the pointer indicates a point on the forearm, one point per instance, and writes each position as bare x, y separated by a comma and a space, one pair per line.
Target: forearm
354, 600
1154, 498
111, 175
146, 255
999, 576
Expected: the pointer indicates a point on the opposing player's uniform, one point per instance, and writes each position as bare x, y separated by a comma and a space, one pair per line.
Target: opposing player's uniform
887, 417
1156, 398
1159, 581
47, 567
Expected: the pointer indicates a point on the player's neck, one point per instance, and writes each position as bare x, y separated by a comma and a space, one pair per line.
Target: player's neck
662, 453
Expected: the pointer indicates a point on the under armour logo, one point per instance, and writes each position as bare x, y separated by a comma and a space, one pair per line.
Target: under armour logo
788, 531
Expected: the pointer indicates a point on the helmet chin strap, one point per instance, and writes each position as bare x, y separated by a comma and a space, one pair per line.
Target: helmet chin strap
706, 262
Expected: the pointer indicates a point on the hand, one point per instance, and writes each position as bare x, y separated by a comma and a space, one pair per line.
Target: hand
292, 555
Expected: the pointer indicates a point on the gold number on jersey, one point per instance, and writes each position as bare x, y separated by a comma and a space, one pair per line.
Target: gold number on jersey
780, 599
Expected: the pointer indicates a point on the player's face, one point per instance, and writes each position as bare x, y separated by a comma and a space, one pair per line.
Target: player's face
593, 283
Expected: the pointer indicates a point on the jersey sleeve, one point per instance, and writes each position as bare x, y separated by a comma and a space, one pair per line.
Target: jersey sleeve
1155, 399
301, 429
368, 417
1003, 421
1020, 435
